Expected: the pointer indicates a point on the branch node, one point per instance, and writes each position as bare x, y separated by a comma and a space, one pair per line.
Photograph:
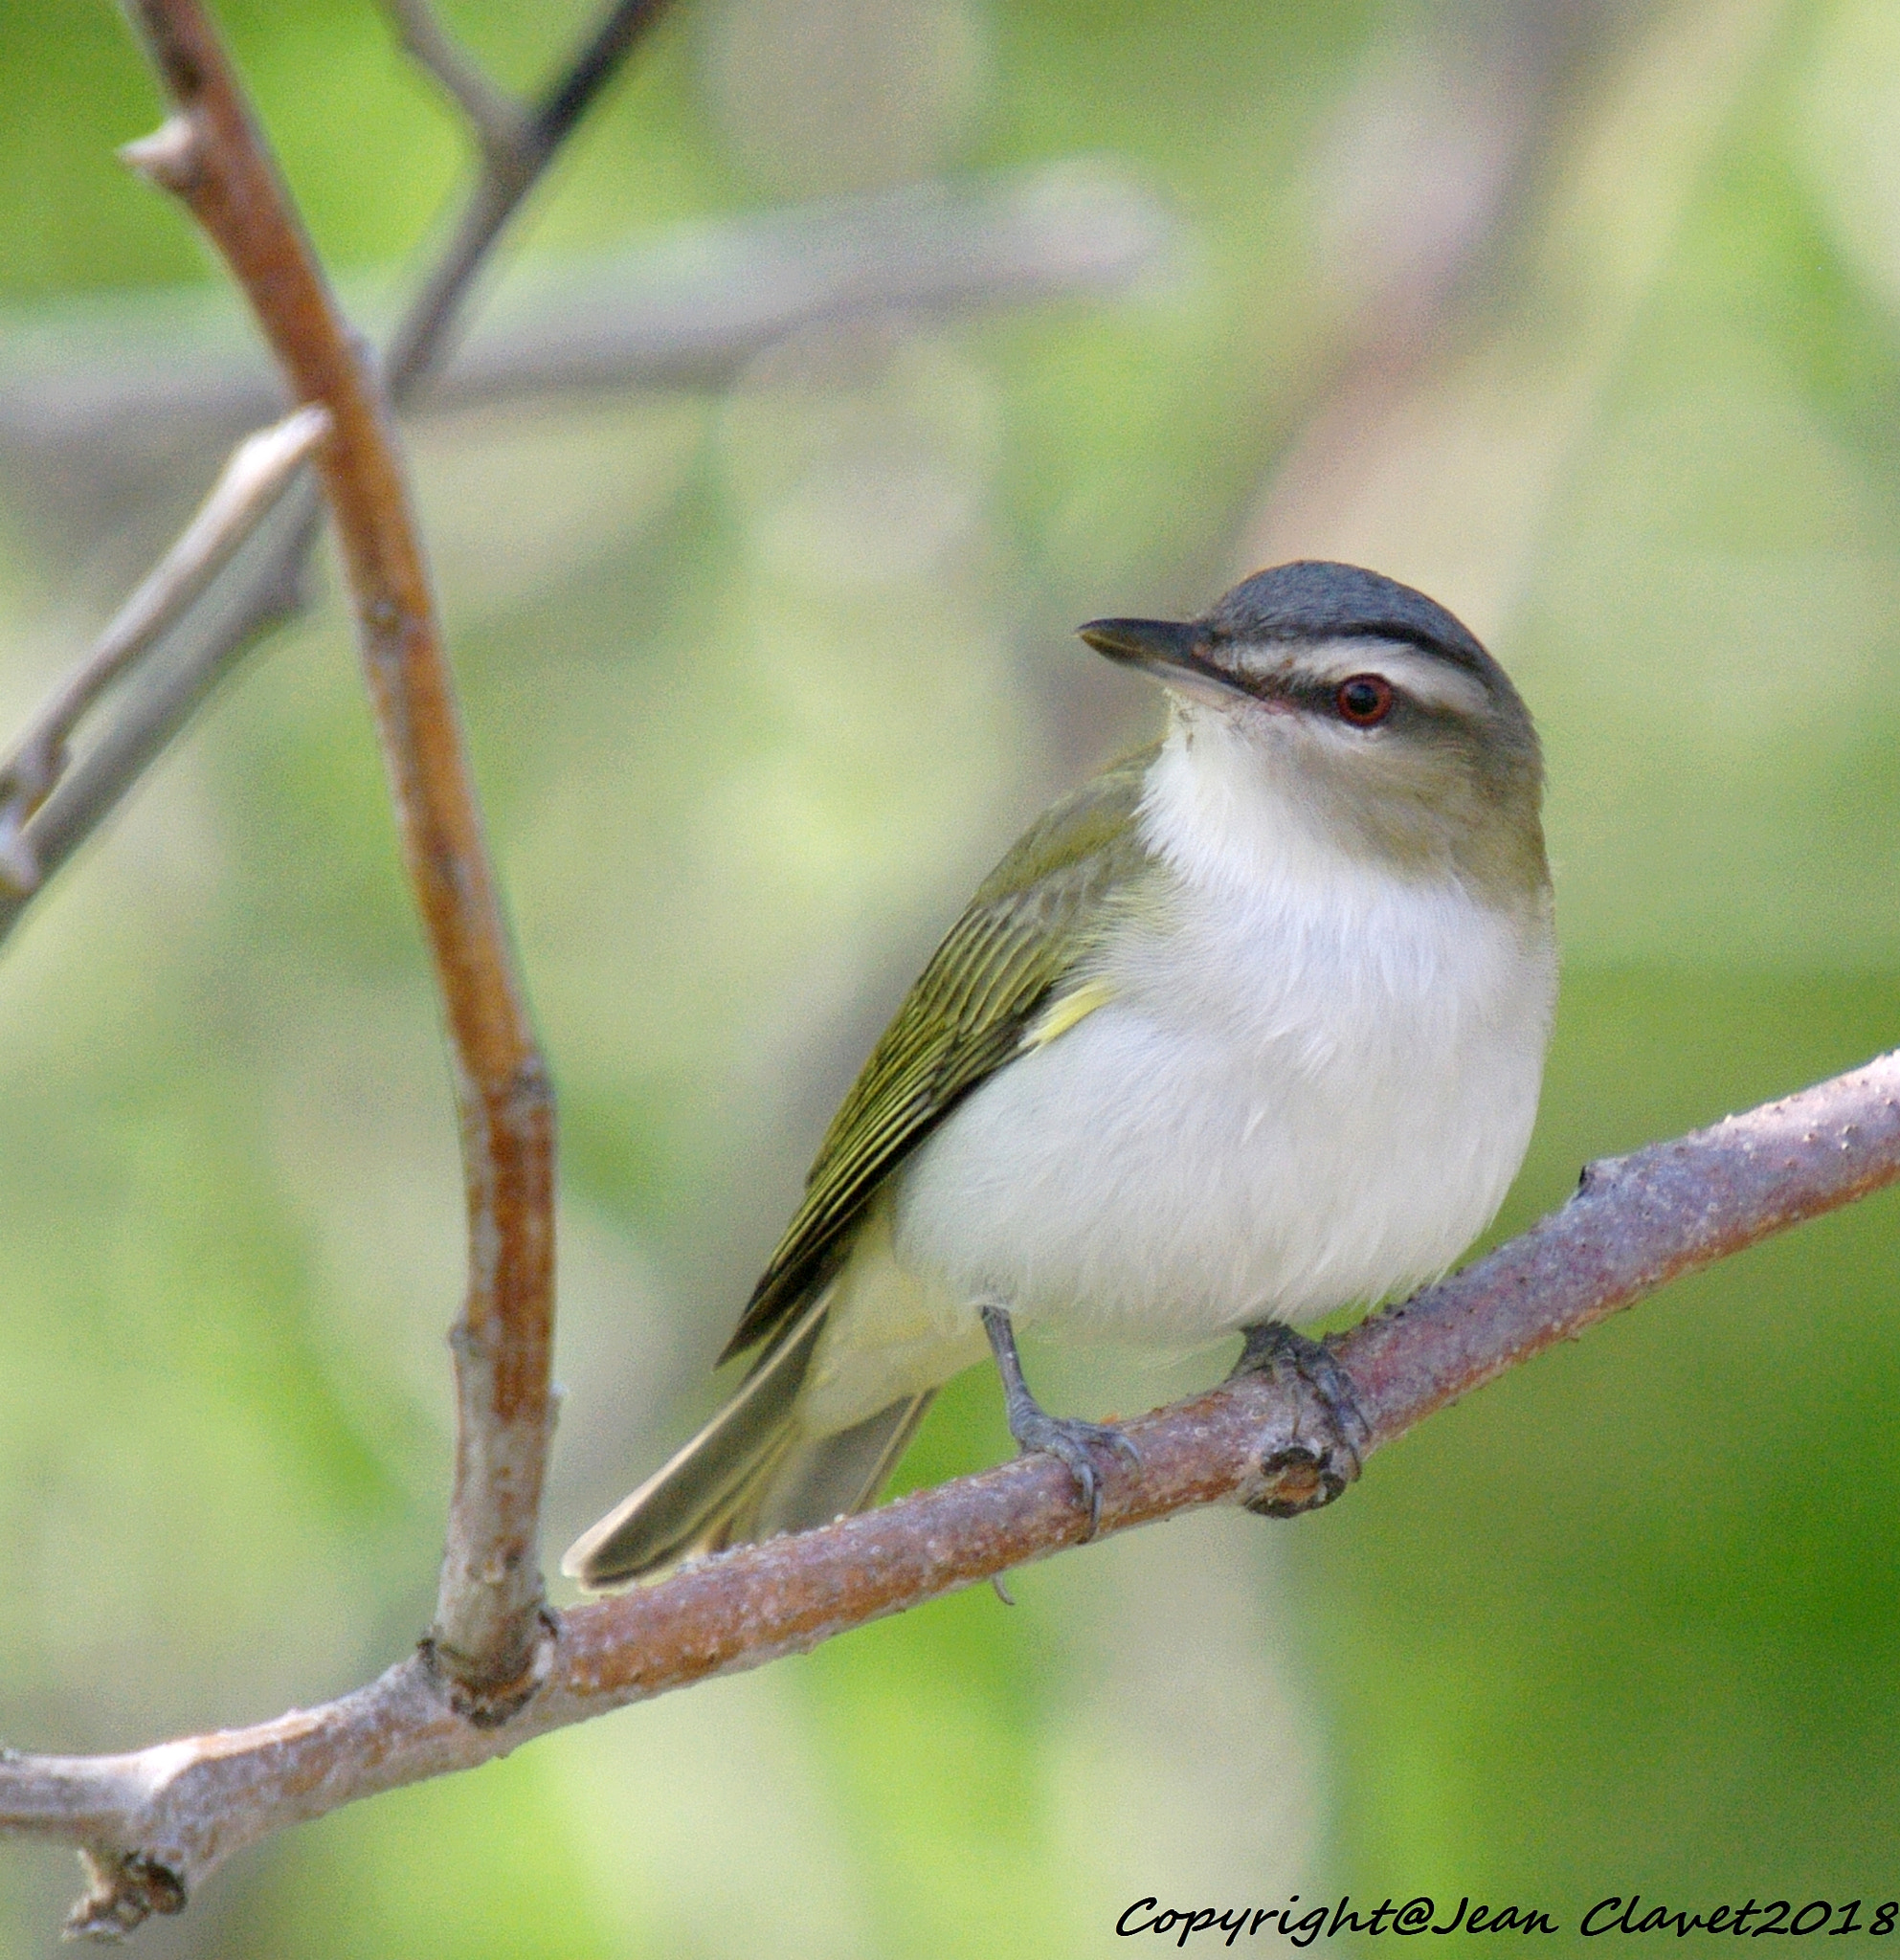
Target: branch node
124, 1890
504, 130
1599, 1173
171, 156
1291, 1481
530, 1093
483, 1705
20, 873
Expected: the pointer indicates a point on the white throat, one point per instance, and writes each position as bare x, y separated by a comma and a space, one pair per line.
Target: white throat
1227, 821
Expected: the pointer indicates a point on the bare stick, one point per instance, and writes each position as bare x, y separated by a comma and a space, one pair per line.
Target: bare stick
247, 490
211, 156
501, 124
422, 340
260, 586
153, 1823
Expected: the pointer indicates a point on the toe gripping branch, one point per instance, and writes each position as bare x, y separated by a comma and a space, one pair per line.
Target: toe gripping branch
1065, 1437
1311, 1460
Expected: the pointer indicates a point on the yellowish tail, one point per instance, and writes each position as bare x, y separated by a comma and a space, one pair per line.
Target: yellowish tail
752, 1471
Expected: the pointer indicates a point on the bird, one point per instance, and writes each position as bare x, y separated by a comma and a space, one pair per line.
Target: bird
1246, 1030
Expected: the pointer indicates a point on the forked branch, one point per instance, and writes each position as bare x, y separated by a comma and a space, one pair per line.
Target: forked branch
246, 598
153, 1823
488, 1630
502, 126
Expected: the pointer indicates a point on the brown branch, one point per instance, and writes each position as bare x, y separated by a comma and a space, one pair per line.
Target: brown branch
155, 1822
211, 156
262, 586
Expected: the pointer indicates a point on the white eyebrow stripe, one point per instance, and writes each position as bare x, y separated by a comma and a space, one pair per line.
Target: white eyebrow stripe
1433, 683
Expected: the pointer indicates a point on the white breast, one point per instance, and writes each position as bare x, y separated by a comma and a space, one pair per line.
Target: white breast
1312, 1087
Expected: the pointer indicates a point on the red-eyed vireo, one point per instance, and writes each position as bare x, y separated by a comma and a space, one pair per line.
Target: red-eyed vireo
1248, 1029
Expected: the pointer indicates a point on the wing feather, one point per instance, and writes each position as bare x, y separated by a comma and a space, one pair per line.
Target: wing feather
972, 1008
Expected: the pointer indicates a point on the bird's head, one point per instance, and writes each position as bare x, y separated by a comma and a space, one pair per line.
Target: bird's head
1368, 713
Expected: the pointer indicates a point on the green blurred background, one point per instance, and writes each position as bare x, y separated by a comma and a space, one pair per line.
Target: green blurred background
1585, 317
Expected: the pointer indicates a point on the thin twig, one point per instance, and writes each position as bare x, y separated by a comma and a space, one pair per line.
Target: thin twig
247, 490
209, 153
262, 585
422, 341
500, 123
155, 1823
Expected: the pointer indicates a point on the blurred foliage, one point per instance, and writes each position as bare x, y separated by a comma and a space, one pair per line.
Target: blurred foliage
757, 687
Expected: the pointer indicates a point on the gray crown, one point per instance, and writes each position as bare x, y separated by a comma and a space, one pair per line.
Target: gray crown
1315, 599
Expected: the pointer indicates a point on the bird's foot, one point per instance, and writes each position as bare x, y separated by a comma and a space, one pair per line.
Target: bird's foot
1319, 1454
1065, 1438
1070, 1440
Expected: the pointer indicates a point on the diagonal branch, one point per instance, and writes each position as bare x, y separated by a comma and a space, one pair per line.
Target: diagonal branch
211, 156
422, 340
260, 588
152, 1824
501, 124
248, 488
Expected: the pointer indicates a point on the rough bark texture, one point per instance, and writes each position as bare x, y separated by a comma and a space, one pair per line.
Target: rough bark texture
155, 1823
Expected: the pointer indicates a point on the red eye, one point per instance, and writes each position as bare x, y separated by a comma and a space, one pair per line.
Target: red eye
1365, 701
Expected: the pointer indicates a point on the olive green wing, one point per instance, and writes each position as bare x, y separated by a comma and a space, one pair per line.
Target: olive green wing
995, 985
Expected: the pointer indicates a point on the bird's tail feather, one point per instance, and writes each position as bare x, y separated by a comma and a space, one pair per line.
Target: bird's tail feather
752, 1472
822, 1478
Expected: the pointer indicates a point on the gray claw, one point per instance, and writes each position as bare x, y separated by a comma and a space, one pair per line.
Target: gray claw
1069, 1439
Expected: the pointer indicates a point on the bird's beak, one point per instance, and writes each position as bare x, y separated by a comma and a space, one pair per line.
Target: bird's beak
1172, 652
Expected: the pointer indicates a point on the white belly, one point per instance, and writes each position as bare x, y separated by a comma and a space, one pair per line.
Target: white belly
1287, 1108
